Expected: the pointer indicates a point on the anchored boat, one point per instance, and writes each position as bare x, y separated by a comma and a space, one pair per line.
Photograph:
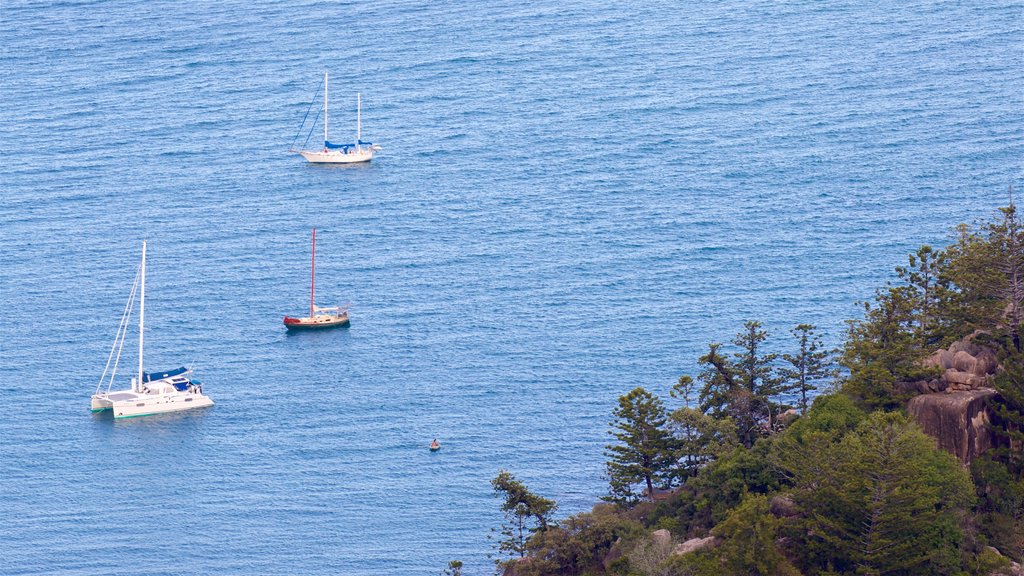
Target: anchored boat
358, 151
319, 317
151, 392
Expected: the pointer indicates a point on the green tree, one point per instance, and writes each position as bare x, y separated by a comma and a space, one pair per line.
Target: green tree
1008, 407
926, 285
883, 349
882, 500
987, 267
645, 451
707, 498
525, 514
1007, 239
756, 370
748, 540
742, 388
810, 365
700, 438
1000, 509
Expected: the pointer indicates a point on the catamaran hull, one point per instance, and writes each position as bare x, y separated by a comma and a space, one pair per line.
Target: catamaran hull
337, 157
150, 406
126, 404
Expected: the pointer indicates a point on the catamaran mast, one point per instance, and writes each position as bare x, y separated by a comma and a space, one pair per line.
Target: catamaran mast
359, 129
325, 109
312, 275
142, 314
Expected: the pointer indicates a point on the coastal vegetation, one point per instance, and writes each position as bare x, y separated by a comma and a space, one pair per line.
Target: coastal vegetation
740, 472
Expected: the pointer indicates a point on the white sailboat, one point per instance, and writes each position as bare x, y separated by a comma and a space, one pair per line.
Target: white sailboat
150, 393
358, 151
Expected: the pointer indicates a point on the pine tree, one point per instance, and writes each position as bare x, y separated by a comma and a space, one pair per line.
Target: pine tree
883, 349
719, 382
700, 437
749, 533
525, 514
742, 388
1007, 238
883, 500
811, 364
645, 452
1008, 408
926, 286
987, 267
1000, 509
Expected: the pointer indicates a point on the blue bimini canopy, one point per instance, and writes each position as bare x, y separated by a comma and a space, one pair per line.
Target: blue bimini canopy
346, 146
151, 376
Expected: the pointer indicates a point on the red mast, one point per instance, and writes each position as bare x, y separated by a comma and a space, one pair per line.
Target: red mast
312, 275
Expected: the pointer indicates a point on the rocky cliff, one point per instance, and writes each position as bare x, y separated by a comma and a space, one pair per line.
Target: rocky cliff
952, 407
958, 420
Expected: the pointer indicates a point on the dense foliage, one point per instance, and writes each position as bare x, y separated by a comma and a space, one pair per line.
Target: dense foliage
848, 485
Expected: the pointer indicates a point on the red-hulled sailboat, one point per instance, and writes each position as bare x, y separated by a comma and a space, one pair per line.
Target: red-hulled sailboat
319, 317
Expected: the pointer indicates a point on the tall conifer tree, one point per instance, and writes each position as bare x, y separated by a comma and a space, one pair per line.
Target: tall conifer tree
987, 267
646, 451
926, 286
1008, 409
884, 500
742, 388
810, 365
525, 514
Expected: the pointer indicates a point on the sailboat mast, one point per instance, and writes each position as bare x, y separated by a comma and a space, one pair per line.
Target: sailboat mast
142, 314
325, 109
359, 127
312, 275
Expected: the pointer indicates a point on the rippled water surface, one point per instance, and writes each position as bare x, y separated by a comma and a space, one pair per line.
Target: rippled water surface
572, 200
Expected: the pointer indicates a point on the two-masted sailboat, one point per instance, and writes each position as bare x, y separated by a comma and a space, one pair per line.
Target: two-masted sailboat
358, 151
319, 316
151, 392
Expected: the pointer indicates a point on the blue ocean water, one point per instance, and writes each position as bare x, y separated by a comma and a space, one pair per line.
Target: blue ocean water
573, 199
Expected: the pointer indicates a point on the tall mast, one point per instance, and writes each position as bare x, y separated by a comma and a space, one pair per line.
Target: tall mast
142, 313
359, 128
325, 109
312, 275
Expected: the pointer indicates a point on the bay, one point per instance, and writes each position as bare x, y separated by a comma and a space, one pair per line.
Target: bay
572, 200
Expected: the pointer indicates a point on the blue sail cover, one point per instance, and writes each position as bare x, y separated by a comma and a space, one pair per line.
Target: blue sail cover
332, 145
151, 376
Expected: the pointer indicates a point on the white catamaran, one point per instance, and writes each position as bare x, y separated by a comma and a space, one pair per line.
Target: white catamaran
151, 393
358, 151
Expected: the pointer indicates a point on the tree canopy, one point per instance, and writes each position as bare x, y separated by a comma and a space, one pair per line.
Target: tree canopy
645, 451
525, 514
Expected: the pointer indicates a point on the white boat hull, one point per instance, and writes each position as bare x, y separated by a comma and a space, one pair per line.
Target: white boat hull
337, 156
128, 404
